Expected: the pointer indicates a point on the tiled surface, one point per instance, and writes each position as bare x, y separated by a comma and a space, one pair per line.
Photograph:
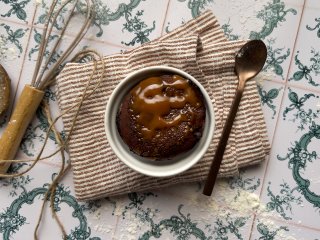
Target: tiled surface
271, 94
279, 199
18, 11
305, 71
277, 230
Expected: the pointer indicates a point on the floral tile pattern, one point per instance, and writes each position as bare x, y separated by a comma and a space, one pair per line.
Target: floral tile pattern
271, 94
279, 199
276, 22
295, 155
306, 64
264, 229
17, 10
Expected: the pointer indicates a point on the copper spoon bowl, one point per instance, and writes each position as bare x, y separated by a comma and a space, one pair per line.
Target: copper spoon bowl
248, 63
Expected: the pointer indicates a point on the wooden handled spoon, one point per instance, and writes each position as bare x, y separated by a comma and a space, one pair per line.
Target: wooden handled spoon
248, 63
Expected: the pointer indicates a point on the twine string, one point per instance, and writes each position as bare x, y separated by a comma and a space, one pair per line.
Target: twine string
65, 167
53, 186
76, 106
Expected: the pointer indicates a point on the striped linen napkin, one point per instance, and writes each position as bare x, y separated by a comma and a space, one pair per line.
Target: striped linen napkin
199, 48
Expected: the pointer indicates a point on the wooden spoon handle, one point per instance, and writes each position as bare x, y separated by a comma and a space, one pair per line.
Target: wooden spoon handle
215, 166
22, 115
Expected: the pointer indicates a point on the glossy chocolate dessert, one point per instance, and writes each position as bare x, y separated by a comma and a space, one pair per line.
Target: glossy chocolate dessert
162, 116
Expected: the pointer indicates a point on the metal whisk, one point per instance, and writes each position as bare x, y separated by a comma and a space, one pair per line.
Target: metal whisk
43, 76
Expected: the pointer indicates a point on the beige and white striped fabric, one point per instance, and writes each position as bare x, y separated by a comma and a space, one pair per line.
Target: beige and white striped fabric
199, 48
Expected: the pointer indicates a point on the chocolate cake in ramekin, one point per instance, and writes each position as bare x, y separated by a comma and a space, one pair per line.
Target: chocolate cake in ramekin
162, 116
159, 121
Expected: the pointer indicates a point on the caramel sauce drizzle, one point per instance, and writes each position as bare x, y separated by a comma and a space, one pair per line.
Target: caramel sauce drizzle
151, 103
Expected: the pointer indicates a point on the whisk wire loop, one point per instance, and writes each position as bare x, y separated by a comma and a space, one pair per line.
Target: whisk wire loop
42, 43
53, 50
40, 80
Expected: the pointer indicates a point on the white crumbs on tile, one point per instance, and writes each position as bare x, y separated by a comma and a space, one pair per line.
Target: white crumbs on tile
102, 228
38, 2
244, 202
243, 12
121, 203
263, 76
3, 47
129, 230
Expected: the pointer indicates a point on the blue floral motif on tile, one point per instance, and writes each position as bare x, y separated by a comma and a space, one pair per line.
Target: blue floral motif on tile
298, 157
17, 183
275, 57
104, 15
11, 219
301, 115
282, 202
60, 19
136, 201
272, 14
94, 205
14, 37
134, 24
227, 226
242, 183
228, 31
16, 8
35, 49
196, 6
267, 98
315, 27
181, 226
267, 234
305, 70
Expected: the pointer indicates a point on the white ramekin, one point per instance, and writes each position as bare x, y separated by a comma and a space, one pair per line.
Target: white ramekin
162, 168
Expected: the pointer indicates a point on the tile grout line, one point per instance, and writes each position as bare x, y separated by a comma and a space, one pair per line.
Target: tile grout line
87, 37
165, 18
32, 25
292, 223
115, 229
49, 163
283, 96
286, 82
16, 22
104, 42
303, 88
292, 84
278, 117
285, 86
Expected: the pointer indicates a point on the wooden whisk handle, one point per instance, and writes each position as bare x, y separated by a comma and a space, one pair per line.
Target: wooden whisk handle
21, 117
